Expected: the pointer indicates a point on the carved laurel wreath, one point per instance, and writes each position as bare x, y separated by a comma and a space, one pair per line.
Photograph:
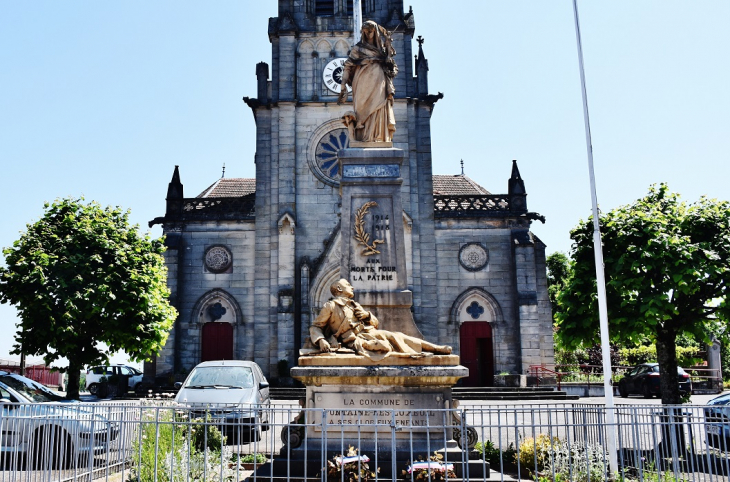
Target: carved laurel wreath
360, 235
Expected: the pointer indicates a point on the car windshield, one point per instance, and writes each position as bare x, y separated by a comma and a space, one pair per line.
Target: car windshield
230, 377
33, 391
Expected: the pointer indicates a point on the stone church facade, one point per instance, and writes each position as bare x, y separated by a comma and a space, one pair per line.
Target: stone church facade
251, 260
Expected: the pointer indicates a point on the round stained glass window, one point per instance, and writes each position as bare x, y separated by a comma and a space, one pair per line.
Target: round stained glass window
326, 152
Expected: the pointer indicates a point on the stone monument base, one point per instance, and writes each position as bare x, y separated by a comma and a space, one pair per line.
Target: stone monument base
393, 414
392, 408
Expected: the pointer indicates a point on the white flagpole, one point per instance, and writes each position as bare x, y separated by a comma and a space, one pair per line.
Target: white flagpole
357, 19
600, 276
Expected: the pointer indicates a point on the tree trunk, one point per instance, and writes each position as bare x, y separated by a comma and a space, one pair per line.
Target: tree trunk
666, 353
74, 378
673, 444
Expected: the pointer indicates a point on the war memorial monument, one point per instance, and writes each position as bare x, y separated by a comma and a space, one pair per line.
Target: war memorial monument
346, 263
436, 257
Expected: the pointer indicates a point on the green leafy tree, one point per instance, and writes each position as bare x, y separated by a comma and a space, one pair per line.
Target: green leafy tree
667, 268
81, 277
558, 267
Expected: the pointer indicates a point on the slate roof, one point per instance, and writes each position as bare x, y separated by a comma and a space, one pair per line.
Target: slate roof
456, 185
443, 184
230, 187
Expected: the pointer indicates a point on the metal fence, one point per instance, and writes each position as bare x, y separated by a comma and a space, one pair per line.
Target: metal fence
147, 442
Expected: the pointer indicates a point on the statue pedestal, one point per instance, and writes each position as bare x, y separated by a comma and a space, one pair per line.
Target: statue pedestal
373, 242
393, 411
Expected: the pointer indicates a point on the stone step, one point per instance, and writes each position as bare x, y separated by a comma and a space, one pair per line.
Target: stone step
286, 393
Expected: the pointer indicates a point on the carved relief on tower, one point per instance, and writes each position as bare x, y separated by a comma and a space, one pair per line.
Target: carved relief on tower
473, 256
218, 259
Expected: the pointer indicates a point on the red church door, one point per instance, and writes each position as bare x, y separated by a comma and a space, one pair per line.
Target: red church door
477, 353
217, 342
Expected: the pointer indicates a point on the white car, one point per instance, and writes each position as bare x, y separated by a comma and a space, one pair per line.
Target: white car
232, 393
94, 376
50, 431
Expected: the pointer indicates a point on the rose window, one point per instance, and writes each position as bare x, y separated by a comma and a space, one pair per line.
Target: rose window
473, 256
218, 259
326, 152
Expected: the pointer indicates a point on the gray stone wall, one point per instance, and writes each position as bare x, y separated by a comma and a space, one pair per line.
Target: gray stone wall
194, 281
496, 279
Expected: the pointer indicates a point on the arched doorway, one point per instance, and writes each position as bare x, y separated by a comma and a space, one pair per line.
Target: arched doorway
219, 320
217, 343
478, 317
477, 353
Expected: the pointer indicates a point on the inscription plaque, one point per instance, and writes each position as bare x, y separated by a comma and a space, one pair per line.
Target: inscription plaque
368, 412
371, 170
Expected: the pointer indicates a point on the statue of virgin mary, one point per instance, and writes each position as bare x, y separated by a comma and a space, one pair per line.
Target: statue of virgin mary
370, 70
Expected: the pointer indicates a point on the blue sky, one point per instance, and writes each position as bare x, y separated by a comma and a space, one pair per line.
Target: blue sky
102, 99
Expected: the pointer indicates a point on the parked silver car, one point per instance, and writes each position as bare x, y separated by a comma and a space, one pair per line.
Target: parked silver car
49, 431
234, 394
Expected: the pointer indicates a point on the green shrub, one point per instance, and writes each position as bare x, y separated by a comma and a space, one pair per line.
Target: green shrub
576, 462
204, 434
169, 449
567, 358
687, 356
638, 354
496, 457
534, 453
158, 436
256, 458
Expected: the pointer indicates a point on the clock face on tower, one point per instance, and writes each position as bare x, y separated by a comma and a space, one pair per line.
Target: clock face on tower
332, 75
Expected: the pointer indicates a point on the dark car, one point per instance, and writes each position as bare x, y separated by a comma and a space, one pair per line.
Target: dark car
717, 422
644, 380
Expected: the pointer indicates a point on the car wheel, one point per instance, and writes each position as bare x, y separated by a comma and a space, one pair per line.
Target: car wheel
50, 450
622, 390
138, 388
647, 392
94, 388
